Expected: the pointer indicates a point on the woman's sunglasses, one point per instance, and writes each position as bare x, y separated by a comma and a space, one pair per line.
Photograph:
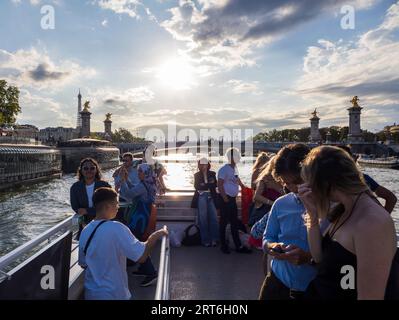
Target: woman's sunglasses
89, 168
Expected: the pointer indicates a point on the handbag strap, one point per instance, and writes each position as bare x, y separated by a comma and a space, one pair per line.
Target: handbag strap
190, 227
92, 235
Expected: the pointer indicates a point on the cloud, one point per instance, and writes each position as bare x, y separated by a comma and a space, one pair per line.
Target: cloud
32, 2
217, 118
37, 110
122, 104
42, 73
224, 34
242, 87
367, 67
37, 2
35, 69
130, 7
133, 95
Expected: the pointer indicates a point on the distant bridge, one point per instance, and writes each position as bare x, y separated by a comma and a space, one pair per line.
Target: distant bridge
248, 148
216, 147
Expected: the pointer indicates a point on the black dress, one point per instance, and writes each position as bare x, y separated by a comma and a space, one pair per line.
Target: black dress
327, 284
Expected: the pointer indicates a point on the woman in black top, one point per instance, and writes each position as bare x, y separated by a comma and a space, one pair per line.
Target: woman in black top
354, 255
81, 193
204, 199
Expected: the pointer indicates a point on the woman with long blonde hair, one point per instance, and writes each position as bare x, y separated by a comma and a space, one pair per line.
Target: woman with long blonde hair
266, 192
258, 166
355, 253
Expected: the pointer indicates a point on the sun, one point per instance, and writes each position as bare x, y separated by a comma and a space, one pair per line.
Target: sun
176, 74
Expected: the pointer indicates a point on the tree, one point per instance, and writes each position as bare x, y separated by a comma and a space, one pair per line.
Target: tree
123, 135
382, 135
368, 136
9, 103
95, 136
343, 134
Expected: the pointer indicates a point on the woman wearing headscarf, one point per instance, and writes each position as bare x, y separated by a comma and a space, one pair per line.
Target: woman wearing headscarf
141, 197
158, 170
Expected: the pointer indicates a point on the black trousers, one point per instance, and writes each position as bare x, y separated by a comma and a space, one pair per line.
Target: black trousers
228, 214
274, 289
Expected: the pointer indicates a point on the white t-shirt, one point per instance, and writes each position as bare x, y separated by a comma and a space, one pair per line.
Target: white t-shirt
90, 193
230, 179
106, 276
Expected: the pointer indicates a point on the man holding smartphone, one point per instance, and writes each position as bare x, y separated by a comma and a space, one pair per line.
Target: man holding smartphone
285, 237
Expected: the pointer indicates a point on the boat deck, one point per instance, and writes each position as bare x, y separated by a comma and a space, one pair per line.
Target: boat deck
196, 273
200, 273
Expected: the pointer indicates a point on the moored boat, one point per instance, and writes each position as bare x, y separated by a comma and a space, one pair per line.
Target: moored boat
389, 162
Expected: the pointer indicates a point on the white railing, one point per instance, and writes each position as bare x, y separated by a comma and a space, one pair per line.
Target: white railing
21, 251
162, 290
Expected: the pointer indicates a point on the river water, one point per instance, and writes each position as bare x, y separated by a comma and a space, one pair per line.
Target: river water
27, 212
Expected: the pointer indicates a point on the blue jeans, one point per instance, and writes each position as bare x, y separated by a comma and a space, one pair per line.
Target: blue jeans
207, 219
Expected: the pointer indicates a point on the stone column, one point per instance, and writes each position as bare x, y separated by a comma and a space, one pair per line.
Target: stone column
108, 127
355, 131
314, 128
85, 130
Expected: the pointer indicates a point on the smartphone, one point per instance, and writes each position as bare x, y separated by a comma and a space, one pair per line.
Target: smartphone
277, 249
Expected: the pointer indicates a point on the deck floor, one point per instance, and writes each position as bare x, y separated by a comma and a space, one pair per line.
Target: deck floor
199, 273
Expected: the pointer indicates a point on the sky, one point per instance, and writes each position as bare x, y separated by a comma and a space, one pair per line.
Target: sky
235, 64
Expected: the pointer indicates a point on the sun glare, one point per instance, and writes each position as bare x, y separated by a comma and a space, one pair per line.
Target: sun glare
176, 74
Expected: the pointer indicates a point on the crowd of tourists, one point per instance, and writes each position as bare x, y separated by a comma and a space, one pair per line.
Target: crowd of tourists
314, 214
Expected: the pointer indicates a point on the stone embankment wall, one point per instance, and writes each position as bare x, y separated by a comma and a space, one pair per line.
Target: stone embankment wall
107, 157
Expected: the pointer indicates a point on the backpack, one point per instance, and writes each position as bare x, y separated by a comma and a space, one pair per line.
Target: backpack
191, 239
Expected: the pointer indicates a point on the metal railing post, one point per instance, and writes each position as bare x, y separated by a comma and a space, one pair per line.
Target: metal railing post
162, 290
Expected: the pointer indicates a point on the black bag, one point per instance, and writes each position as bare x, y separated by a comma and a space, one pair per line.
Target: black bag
192, 239
392, 290
194, 201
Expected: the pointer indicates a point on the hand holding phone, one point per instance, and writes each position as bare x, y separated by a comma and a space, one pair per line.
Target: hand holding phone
277, 249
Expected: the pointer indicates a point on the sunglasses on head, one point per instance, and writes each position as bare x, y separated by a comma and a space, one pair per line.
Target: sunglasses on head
91, 168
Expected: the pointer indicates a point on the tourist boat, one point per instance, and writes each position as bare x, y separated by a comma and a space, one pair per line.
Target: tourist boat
22, 164
389, 162
183, 272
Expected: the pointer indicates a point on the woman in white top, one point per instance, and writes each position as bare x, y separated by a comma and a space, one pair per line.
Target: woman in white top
81, 193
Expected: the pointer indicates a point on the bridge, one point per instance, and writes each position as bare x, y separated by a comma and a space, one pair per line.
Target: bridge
249, 148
